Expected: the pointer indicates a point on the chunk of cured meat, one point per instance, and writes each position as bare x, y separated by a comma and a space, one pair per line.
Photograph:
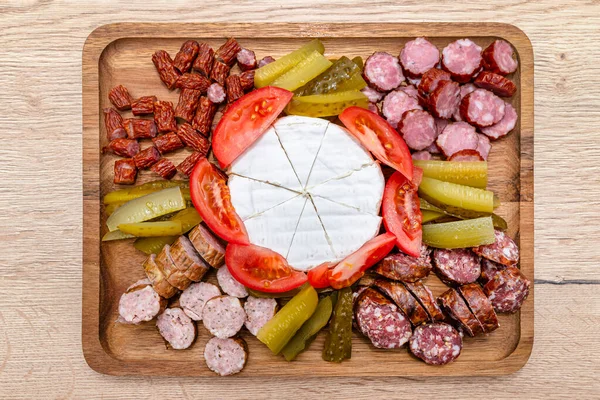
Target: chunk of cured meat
140, 303
123, 147
466, 155
204, 61
456, 307
193, 299
157, 277
246, 59
186, 259
456, 266
506, 124
507, 290
223, 316
138, 128
417, 56
167, 143
187, 165
482, 108
147, 157
464, 90
113, 122
462, 58
417, 127
373, 95
193, 139
457, 136
402, 267
216, 93
211, 249
247, 80
259, 311
488, 270
174, 276
120, 98
164, 116
398, 293
499, 57
166, 70
430, 80
188, 103
444, 100
480, 305
383, 72
229, 285
193, 81
410, 90
395, 104
265, 60
176, 328
436, 344
422, 155
228, 51
219, 72
186, 55
484, 146
503, 251
125, 172
234, 88
203, 120
144, 105
495, 83
426, 299
226, 356
165, 168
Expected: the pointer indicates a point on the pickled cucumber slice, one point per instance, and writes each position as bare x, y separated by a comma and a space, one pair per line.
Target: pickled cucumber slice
152, 229
457, 199
326, 105
469, 173
459, 234
342, 76
123, 195
189, 218
305, 71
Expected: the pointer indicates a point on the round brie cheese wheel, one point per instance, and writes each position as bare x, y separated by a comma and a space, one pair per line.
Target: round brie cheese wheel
307, 190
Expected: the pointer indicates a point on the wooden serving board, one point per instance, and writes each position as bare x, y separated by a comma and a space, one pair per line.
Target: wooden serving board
121, 54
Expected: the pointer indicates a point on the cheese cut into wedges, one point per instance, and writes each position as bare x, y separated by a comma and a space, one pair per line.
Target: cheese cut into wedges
361, 190
339, 155
250, 197
301, 139
274, 228
310, 246
266, 161
347, 228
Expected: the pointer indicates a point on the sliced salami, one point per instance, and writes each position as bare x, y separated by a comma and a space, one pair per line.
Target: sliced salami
482, 108
507, 290
431, 79
504, 250
223, 316
395, 104
499, 57
457, 136
422, 155
481, 306
418, 56
259, 311
456, 266
402, 267
444, 100
193, 299
495, 83
265, 60
208, 246
176, 328
462, 58
464, 90
410, 90
381, 321
373, 95
506, 124
382, 72
426, 299
466, 155
216, 93
457, 309
229, 284
417, 127
436, 344
484, 146
140, 303
226, 356
488, 270
398, 293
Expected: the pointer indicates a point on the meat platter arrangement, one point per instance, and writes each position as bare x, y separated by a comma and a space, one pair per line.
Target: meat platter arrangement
317, 195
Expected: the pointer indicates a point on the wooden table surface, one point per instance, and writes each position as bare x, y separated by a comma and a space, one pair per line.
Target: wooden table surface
41, 200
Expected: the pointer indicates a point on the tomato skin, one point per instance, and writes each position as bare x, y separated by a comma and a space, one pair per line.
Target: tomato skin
246, 120
210, 196
262, 269
379, 137
318, 277
408, 240
353, 267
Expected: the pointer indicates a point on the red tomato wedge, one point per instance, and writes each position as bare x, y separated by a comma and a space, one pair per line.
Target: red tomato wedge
402, 214
246, 120
318, 277
379, 138
212, 200
261, 269
353, 267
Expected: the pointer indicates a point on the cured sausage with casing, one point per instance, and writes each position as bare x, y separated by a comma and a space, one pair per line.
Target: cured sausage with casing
176, 328
226, 356
223, 316
436, 344
140, 303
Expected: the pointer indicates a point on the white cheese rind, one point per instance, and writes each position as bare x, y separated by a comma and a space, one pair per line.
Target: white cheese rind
250, 197
301, 139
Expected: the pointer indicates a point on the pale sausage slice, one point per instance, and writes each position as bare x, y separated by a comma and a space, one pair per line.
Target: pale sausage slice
482, 108
229, 284
418, 56
223, 316
176, 328
417, 127
259, 311
226, 356
506, 124
462, 58
193, 299
140, 303
499, 57
382, 72
395, 104
457, 136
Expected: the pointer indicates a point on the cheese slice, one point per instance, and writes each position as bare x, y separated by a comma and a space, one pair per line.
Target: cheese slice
301, 139
266, 161
339, 155
347, 228
274, 228
361, 190
250, 197
310, 246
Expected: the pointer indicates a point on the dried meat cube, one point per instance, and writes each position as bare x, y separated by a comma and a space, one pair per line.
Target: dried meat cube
123, 147
186, 55
147, 157
166, 70
193, 81
125, 172
164, 116
220, 71
234, 88
205, 59
119, 96
193, 139
228, 51
165, 168
168, 142
113, 122
247, 80
205, 115
138, 128
143, 105
246, 59
187, 105
187, 165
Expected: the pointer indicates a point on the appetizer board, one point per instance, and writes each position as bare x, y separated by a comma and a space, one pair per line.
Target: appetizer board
119, 53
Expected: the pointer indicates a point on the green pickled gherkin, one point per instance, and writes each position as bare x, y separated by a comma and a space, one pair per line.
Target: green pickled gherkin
304, 72
116, 235
123, 195
469, 173
326, 105
343, 75
338, 343
433, 213
429, 216
188, 217
466, 201
307, 333
359, 62
459, 234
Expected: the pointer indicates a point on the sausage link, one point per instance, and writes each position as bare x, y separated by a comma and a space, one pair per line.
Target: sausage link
193, 81
119, 96
125, 172
168, 142
205, 59
186, 166
165, 168
204, 117
113, 122
186, 55
219, 72
166, 70
123, 147
193, 139
164, 117
147, 157
137, 128
234, 88
188, 103
228, 51
143, 105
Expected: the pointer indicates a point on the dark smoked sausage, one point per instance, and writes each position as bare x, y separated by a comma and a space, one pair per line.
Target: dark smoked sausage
480, 305
426, 299
496, 84
398, 293
456, 266
457, 309
402, 267
436, 344
186, 55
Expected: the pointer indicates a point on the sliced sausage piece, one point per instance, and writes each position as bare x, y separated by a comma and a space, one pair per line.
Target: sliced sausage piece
466, 155
395, 104
434, 149
165, 168
457, 136
208, 246
265, 60
186, 55
120, 98
488, 270
246, 59
398, 293
113, 122
426, 299
226, 356
482, 108
125, 172
418, 56
204, 60
480, 306
410, 90
496, 84
193, 299
174, 276
147, 157
456, 266
216, 93
143, 106
223, 316
504, 250
506, 124
229, 285
499, 57
484, 146
186, 259
140, 303
507, 290
464, 90
259, 311
436, 344
176, 328
444, 100
157, 276
123, 147
431, 79
457, 309
422, 155
373, 95
462, 58
381, 321
382, 72
417, 127
402, 267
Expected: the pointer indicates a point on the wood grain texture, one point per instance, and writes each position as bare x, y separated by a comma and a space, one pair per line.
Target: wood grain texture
40, 285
